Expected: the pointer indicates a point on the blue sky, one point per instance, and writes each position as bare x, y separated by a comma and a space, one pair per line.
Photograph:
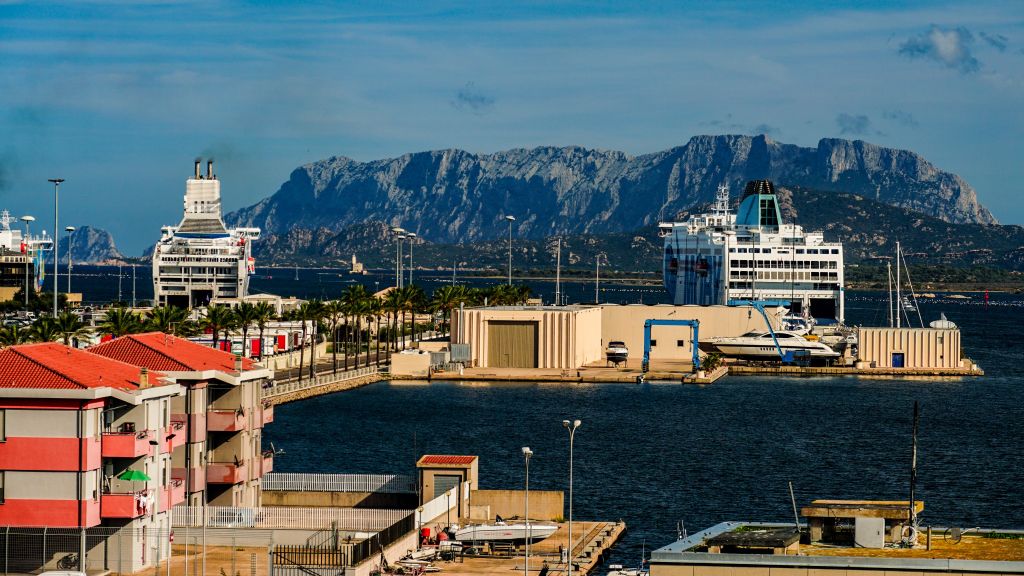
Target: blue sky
119, 97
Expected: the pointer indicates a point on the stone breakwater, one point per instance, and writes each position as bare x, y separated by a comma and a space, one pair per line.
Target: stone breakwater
332, 387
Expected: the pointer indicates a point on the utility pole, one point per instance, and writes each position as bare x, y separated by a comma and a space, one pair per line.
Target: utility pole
558, 274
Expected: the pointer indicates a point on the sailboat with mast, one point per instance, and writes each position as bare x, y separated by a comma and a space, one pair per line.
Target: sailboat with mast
902, 305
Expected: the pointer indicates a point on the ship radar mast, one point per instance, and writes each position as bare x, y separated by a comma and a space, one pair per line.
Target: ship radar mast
721, 200
5, 220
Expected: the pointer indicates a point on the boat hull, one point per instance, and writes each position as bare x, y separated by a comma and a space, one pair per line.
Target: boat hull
511, 534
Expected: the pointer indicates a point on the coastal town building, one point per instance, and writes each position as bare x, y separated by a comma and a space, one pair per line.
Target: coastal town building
201, 259
85, 443
221, 412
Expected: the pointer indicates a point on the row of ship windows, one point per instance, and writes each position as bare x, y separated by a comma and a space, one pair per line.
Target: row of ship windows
798, 250
786, 264
192, 259
785, 275
197, 270
224, 290
750, 286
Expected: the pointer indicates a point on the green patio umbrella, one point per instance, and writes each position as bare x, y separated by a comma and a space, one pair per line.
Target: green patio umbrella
133, 476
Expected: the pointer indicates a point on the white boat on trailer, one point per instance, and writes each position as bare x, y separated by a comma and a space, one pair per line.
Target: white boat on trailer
504, 532
759, 345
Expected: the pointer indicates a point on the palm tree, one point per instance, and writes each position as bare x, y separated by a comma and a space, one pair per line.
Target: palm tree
119, 322
412, 300
264, 314
445, 299
393, 304
245, 316
352, 297
218, 317
13, 335
316, 314
70, 326
333, 312
167, 319
377, 309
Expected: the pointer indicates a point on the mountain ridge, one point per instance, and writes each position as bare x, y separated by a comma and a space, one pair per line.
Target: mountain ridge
452, 195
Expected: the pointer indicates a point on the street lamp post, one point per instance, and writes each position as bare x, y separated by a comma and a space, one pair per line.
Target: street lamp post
69, 230
571, 427
412, 238
28, 253
56, 197
510, 219
597, 281
399, 234
526, 455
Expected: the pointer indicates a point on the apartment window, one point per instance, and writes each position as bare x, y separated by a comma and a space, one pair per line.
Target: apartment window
3, 425
2, 479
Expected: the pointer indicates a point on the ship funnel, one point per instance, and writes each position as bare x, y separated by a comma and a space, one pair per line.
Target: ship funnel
209, 170
198, 161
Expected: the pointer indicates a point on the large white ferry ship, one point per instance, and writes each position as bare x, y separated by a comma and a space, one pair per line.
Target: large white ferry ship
723, 257
200, 259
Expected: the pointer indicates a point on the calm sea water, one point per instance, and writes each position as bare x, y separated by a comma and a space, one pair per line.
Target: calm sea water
656, 454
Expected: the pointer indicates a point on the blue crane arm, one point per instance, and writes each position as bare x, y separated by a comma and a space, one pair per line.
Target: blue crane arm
693, 324
760, 308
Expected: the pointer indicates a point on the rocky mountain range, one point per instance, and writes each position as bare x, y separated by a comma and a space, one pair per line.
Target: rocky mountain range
90, 245
454, 196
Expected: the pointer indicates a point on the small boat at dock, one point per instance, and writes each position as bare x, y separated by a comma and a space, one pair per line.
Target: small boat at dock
504, 532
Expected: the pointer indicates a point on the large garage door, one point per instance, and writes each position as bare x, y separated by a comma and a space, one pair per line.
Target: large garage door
511, 344
444, 483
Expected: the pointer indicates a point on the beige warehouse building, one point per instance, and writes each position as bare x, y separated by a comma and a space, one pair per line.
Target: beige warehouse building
909, 347
569, 337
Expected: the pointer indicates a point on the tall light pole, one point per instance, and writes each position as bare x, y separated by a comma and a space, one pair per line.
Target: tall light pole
526, 563
398, 255
412, 238
571, 427
510, 219
56, 197
69, 230
597, 280
28, 253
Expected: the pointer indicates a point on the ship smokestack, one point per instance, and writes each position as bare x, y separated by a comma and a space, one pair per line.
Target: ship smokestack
198, 161
209, 170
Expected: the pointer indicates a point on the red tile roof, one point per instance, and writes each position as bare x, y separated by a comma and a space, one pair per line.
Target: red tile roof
446, 459
54, 366
159, 351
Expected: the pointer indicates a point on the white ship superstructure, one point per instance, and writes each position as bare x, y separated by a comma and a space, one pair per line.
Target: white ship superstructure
723, 257
200, 259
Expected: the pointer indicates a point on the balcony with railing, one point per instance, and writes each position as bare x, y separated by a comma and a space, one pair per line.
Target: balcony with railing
127, 442
225, 420
268, 412
174, 436
267, 462
131, 504
226, 472
194, 479
195, 424
173, 494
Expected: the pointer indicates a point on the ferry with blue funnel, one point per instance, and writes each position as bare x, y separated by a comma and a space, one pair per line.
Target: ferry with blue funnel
722, 257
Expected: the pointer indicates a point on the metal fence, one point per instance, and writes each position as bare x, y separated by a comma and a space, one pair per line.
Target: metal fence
280, 388
181, 552
381, 483
271, 517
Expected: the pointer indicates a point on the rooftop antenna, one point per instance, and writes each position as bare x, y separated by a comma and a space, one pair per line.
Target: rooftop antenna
681, 530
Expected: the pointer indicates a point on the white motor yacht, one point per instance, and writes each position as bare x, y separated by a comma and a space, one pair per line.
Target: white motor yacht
504, 532
758, 345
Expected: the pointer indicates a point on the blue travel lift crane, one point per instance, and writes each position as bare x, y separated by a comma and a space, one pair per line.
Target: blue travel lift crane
694, 324
791, 357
